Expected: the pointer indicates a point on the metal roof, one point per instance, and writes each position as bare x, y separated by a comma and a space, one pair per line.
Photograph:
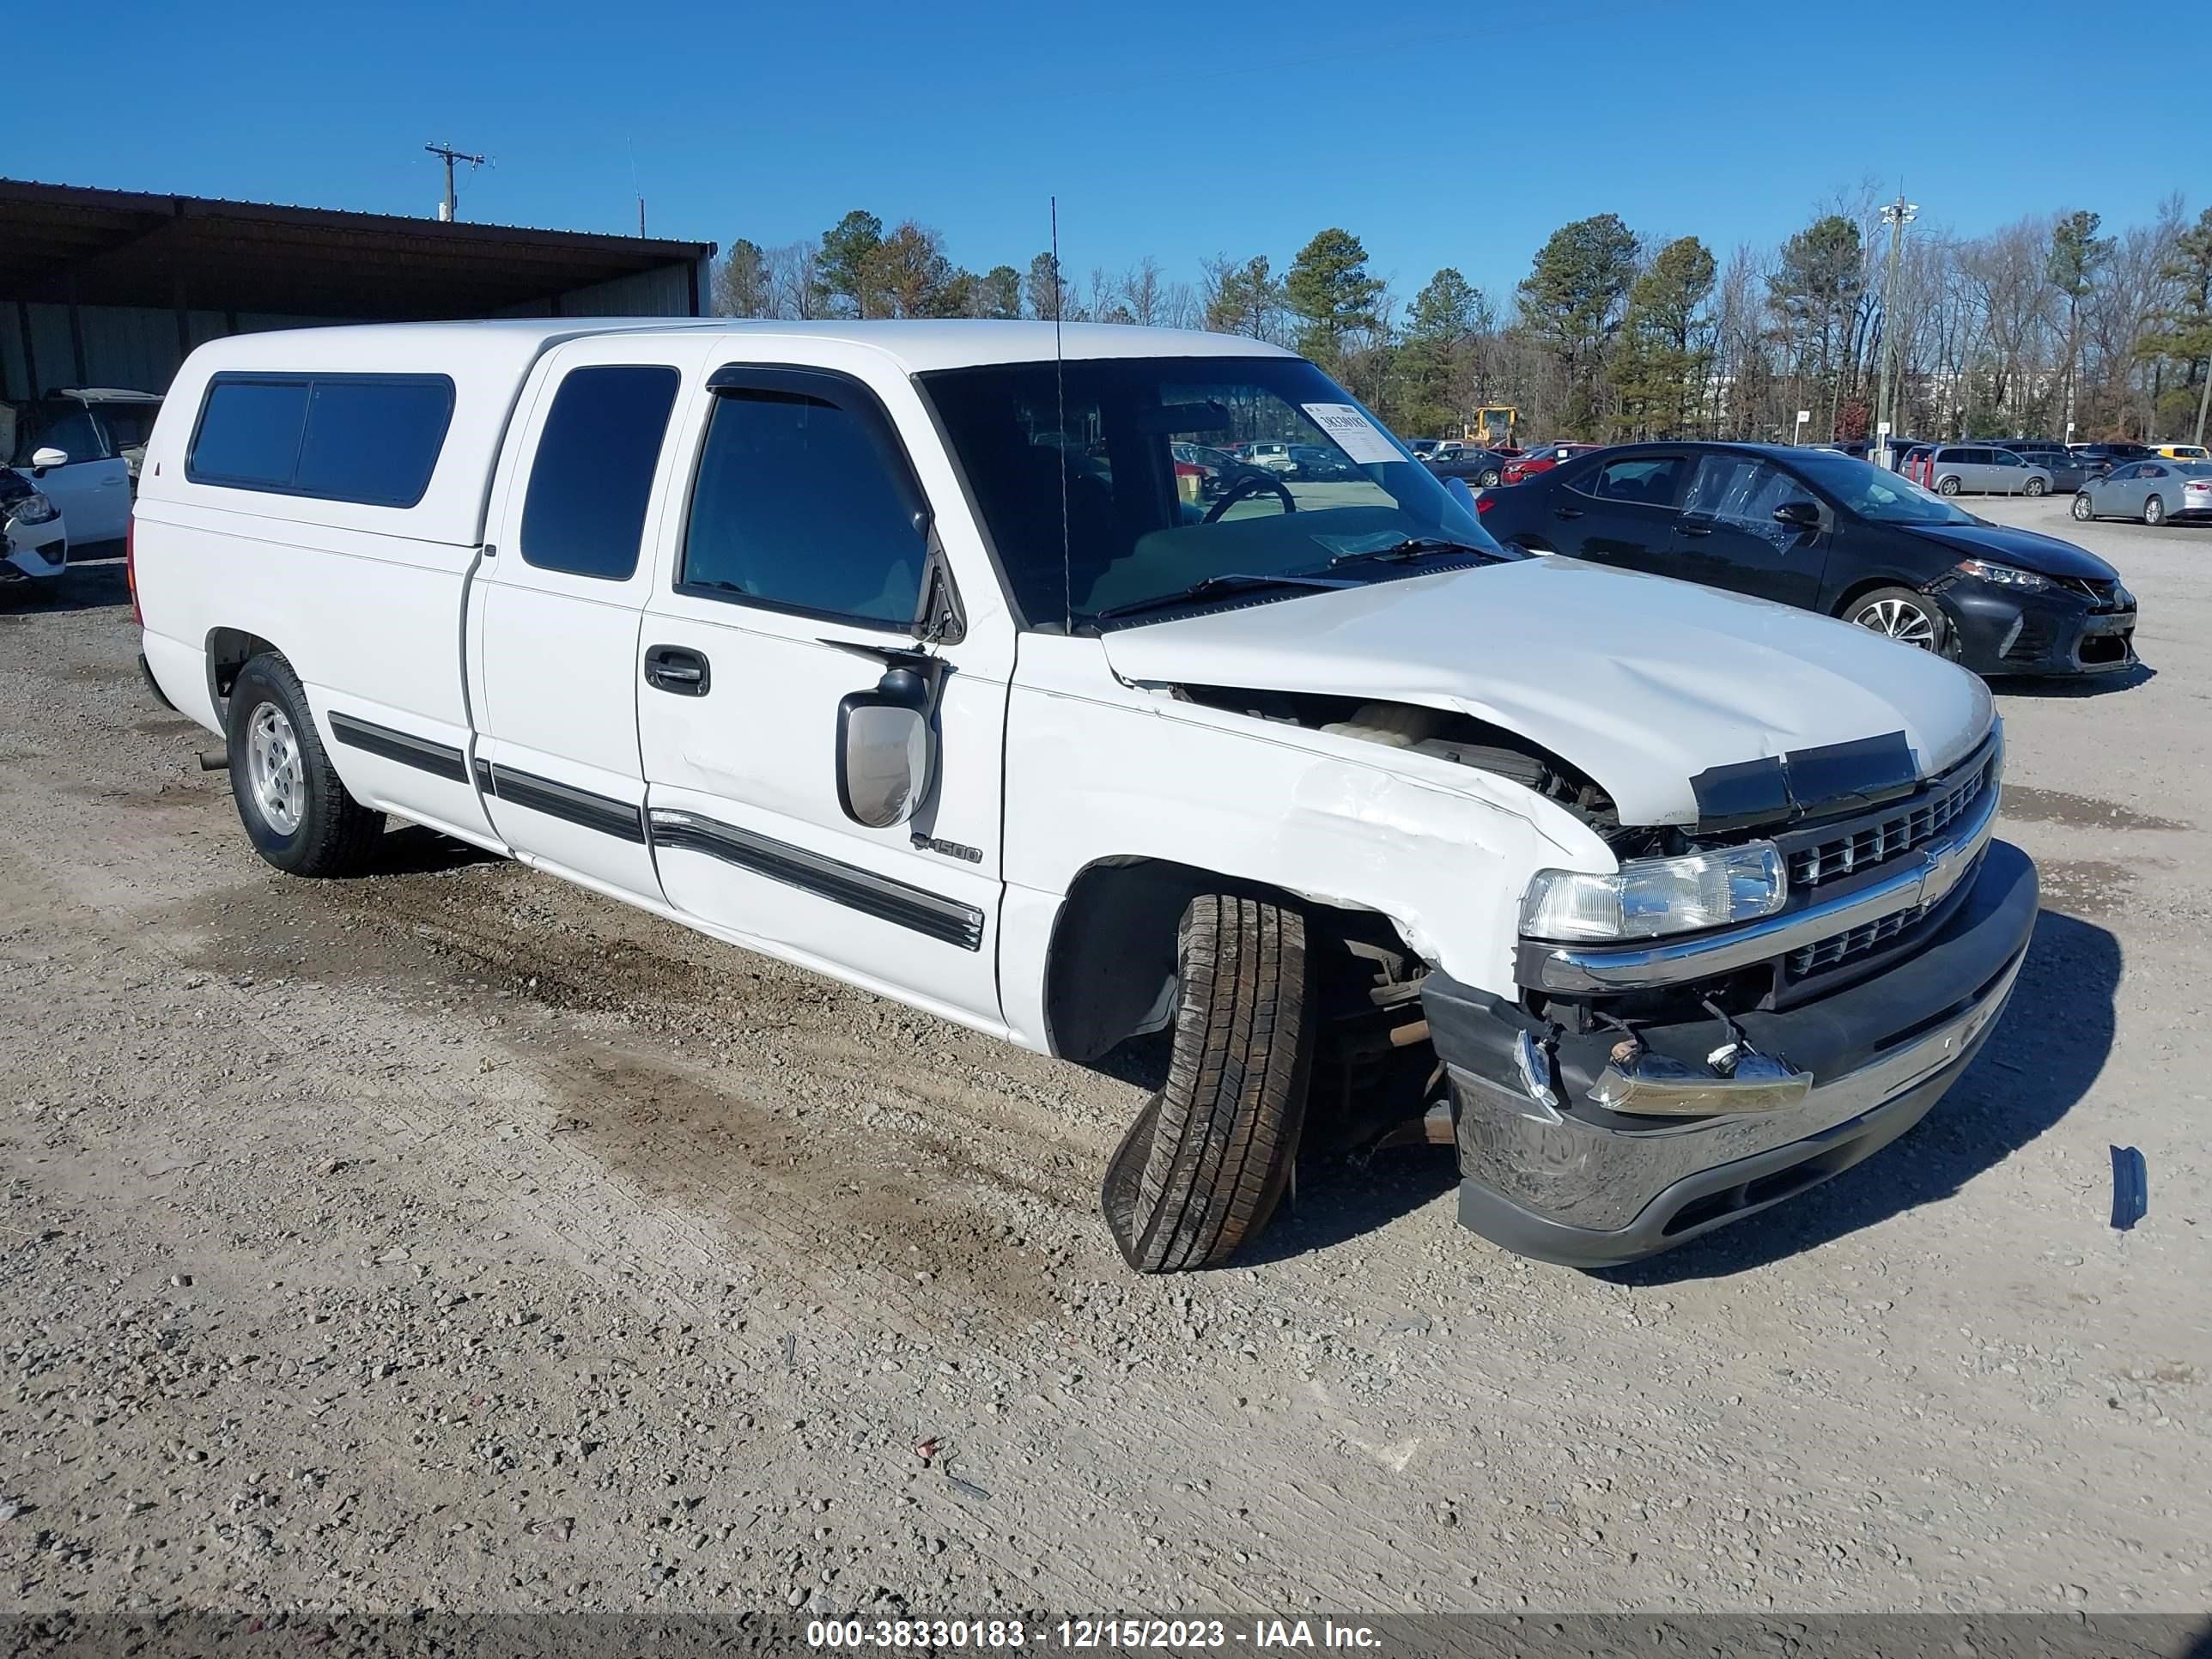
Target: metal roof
65, 243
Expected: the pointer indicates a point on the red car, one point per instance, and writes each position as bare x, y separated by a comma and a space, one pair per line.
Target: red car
1542, 459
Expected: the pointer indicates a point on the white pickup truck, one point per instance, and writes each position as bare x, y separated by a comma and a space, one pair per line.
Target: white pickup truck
910, 653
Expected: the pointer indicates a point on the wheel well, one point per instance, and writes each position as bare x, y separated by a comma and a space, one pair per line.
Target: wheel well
1859, 590
1113, 961
228, 650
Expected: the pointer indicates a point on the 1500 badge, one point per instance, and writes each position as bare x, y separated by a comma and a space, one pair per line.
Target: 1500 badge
951, 849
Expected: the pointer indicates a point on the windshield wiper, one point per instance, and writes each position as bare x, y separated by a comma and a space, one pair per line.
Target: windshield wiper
1229, 582
1414, 547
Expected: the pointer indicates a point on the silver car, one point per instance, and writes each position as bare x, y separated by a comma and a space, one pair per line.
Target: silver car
2156, 491
1957, 469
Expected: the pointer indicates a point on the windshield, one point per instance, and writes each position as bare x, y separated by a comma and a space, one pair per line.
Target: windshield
1305, 481
1876, 493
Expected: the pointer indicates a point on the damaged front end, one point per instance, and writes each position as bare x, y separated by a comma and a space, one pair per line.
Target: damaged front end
1647, 1086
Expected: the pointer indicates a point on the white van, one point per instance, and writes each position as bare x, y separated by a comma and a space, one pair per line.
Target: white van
894, 650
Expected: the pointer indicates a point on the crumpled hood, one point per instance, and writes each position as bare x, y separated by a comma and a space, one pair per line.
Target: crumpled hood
2046, 556
1641, 682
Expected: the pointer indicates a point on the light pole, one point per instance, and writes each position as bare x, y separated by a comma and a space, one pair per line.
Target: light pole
1897, 215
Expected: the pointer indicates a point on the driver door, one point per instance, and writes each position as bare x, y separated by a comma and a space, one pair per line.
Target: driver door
1727, 535
91, 489
790, 588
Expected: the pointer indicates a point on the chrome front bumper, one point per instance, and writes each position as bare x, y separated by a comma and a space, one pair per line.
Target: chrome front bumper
1578, 1183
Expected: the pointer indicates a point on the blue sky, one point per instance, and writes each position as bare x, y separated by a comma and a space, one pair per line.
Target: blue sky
1181, 130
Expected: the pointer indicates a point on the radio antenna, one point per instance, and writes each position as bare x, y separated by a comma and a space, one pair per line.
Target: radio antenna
1060, 447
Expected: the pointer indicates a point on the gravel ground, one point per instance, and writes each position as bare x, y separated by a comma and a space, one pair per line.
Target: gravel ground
456, 1238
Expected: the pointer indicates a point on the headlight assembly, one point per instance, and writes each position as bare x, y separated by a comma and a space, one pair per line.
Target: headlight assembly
32, 509
2003, 575
1647, 897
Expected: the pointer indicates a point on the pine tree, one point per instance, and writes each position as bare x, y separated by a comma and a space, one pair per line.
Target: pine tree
1329, 291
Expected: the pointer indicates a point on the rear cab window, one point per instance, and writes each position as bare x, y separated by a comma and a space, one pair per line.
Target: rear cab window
591, 477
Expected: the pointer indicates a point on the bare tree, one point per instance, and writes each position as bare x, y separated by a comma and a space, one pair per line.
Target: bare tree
1142, 293
794, 281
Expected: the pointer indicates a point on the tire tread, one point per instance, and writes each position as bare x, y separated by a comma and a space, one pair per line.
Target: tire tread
1201, 1170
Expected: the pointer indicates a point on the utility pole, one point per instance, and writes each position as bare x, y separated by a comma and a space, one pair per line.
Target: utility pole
1897, 215
448, 209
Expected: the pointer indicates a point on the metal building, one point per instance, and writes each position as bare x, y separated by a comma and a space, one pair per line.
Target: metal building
111, 288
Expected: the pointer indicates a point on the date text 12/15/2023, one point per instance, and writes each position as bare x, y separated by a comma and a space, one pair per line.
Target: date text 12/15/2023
1107, 1634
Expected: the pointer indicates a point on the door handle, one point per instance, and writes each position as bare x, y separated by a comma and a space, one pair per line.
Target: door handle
1695, 529
673, 668
1566, 512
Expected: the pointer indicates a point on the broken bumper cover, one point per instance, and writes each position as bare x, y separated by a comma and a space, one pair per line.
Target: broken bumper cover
2050, 632
32, 551
1588, 1185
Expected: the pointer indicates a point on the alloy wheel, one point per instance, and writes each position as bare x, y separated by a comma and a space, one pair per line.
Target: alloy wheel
1908, 624
274, 771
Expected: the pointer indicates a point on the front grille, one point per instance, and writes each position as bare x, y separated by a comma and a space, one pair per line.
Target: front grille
1869, 844
1825, 953
2096, 592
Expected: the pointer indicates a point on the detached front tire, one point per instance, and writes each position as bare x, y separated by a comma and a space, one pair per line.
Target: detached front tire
296, 809
1202, 1168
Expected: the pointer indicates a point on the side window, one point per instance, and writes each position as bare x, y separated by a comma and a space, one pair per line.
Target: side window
371, 439
2121, 474
803, 503
65, 427
591, 480
249, 434
1739, 490
1649, 479
2006, 458
127, 426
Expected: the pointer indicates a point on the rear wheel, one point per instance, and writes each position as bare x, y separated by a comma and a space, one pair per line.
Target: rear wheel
1488, 480
2036, 486
1949, 487
1205, 1163
1899, 614
2083, 510
294, 809
2154, 510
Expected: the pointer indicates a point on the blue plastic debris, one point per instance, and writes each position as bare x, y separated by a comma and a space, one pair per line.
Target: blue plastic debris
2130, 1187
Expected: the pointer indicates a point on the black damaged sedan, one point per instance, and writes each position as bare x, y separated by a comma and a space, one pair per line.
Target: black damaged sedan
1820, 530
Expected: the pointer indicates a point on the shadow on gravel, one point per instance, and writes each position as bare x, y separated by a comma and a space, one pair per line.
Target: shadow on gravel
409, 850
80, 587
2044, 1055
2090, 685
1339, 1199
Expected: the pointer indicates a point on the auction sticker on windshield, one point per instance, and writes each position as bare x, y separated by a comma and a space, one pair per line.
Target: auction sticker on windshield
1355, 434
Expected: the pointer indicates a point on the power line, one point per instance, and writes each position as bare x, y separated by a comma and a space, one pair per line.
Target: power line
448, 209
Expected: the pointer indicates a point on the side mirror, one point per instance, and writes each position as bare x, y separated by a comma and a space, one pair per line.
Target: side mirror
886, 752
43, 459
1802, 515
